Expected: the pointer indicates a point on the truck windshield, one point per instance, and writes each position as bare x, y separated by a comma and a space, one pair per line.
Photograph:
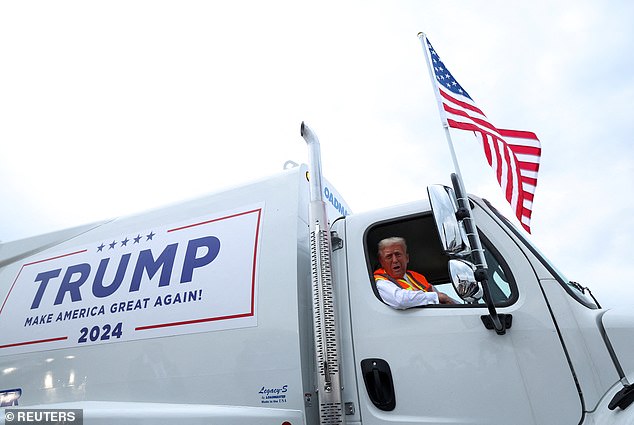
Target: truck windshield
575, 290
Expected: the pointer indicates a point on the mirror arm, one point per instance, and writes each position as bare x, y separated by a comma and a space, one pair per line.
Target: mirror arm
481, 275
498, 325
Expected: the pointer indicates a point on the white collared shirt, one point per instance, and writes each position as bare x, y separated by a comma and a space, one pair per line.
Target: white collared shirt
400, 298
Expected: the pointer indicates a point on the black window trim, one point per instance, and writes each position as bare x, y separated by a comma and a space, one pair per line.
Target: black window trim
486, 244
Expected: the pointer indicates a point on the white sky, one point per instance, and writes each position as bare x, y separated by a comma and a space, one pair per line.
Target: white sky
112, 108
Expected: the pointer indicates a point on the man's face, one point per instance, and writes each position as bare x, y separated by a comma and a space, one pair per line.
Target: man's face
394, 260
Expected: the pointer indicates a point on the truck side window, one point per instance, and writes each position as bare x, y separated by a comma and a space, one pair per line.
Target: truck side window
427, 258
500, 285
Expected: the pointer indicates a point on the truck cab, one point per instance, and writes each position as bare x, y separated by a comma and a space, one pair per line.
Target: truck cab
440, 363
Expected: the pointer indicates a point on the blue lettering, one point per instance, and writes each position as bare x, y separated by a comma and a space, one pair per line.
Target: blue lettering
199, 253
101, 291
192, 262
334, 201
71, 286
43, 277
146, 262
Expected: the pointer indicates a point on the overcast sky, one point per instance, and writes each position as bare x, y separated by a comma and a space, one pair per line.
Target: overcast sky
112, 108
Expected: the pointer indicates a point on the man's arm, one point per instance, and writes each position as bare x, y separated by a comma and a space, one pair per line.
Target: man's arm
401, 299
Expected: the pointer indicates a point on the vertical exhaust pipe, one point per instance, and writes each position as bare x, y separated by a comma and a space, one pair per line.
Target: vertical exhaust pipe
324, 312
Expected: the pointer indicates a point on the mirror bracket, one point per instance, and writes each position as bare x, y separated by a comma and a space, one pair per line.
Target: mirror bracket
462, 213
481, 274
505, 319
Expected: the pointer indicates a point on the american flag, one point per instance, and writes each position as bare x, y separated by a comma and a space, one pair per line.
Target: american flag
513, 155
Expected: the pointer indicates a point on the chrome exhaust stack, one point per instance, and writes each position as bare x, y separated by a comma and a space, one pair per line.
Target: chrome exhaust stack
324, 311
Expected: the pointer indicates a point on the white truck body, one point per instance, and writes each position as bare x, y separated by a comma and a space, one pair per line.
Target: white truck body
201, 313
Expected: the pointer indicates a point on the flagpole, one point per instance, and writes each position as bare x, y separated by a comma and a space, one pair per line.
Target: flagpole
463, 202
458, 182
443, 118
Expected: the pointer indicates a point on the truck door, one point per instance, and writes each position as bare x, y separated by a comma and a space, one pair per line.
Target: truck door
439, 364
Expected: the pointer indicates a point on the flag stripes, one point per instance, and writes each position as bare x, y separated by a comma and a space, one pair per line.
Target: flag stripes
513, 155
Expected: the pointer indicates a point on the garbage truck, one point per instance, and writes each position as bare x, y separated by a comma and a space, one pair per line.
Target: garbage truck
257, 305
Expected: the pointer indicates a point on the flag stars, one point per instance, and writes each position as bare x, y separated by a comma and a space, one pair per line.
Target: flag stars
443, 76
126, 241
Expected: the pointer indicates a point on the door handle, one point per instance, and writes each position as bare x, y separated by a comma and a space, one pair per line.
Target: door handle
378, 383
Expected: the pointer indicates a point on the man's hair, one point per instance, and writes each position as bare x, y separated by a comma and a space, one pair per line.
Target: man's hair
391, 241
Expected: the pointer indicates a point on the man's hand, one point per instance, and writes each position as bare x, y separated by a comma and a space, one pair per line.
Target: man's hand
444, 298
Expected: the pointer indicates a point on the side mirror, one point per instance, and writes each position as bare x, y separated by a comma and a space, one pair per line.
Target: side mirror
464, 281
443, 206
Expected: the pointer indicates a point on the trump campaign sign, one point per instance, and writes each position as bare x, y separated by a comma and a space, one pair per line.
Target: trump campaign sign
186, 277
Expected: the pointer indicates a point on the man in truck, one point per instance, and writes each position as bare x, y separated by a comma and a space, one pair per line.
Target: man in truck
401, 288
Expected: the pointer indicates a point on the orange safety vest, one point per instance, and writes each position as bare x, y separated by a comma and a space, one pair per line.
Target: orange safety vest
417, 281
